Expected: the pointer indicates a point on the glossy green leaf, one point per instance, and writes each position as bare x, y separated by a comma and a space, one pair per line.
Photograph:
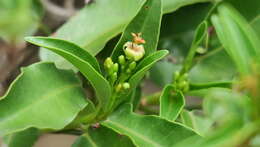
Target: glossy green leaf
65, 49
145, 65
147, 131
171, 103
98, 30
25, 138
40, 89
237, 37
199, 36
81, 59
147, 22
250, 10
102, 137
85, 116
90, 29
173, 5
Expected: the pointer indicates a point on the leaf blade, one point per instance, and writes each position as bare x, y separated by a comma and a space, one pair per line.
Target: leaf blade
102, 137
81, 59
147, 22
160, 131
28, 109
171, 104
145, 65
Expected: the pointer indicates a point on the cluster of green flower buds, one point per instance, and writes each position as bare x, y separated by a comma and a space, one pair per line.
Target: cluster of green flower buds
118, 73
112, 70
181, 81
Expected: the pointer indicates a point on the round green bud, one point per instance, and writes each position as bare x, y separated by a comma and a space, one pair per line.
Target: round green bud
115, 67
126, 85
185, 76
108, 63
201, 50
132, 65
118, 87
183, 84
114, 76
121, 59
128, 71
176, 75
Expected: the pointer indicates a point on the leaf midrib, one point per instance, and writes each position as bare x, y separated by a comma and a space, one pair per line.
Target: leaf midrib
91, 141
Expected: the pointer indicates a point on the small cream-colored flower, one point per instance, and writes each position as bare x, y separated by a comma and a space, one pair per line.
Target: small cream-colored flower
134, 51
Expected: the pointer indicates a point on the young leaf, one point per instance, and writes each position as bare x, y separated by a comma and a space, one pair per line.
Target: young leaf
81, 59
102, 137
147, 22
145, 65
40, 89
200, 34
237, 37
25, 138
171, 103
147, 131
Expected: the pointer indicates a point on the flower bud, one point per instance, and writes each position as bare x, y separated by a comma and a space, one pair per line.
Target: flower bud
118, 87
128, 71
121, 59
183, 84
176, 75
108, 63
113, 77
132, 65
126, 85
134, 51
115, 67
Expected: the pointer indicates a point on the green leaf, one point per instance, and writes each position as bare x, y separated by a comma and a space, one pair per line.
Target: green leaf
237, 37
25, 138
171, 103
202, 125
147, 22
13, 12
81, 59
215, 68
40, 89
250, 10
173, 5
199, 36
91, 30
66, 49
102, 137
222, 104
145, 65
85, 116
98, 30
147, 131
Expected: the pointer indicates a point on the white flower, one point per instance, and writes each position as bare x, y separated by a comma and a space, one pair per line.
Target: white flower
134, 51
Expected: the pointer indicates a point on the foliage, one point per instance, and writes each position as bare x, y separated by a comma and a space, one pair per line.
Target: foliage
212, 58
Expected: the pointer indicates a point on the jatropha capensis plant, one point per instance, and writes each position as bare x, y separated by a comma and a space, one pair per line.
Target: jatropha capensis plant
98, 71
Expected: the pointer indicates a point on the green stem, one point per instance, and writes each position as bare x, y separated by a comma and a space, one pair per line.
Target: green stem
210, 85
